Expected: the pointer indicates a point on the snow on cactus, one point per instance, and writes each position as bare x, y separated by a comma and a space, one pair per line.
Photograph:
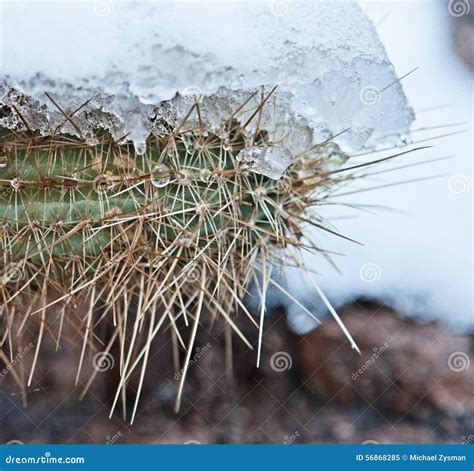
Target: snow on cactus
174, 183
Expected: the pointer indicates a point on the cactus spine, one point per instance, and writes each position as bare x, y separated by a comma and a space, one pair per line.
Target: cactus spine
180, 232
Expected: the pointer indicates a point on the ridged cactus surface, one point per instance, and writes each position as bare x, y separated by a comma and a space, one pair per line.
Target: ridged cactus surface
94, 234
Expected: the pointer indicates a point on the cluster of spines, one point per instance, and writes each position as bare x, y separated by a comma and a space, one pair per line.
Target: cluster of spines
177, 232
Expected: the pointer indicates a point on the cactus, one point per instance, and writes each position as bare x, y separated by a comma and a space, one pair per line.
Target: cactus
181, 231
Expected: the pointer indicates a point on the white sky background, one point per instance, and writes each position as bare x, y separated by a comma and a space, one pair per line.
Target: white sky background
419, 259
439, 260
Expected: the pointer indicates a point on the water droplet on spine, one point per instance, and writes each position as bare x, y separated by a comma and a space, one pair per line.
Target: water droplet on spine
332, 156
184, 177
160, 176
91, 141
226, 145
269, 161
140, 147
204, 175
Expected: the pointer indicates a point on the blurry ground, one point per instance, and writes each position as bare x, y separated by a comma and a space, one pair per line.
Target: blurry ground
413, 383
